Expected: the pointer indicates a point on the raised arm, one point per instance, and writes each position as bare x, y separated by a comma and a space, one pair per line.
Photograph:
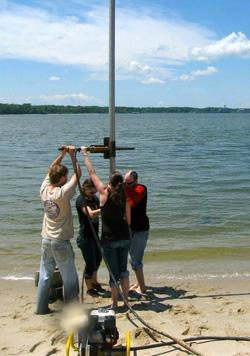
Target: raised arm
59, 159
102, 189
71, 152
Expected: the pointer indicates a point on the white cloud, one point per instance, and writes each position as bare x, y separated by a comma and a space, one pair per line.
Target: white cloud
208, 71
184, 77
149, 45
34, 34
71, 99
38, 35
136, 67
235, 44
196, 73
54, 79
152, 81
15, 100
57, 99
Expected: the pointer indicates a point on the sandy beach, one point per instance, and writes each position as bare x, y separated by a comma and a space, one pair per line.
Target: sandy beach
180, 309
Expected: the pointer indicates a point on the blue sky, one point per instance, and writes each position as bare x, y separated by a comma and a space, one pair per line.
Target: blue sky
168, 52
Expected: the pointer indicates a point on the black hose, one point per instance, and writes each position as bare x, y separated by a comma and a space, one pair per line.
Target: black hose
190, 339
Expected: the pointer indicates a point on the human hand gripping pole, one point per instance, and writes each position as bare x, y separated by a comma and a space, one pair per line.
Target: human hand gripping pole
92, 149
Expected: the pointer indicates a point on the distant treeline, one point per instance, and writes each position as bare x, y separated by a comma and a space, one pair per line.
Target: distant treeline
6, 109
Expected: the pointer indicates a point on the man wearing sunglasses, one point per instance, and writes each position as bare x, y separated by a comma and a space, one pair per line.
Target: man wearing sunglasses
139, 227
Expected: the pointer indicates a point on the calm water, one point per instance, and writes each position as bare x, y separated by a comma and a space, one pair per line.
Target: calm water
196, 168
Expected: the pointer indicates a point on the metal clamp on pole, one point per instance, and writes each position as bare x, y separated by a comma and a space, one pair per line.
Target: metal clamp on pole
108, 148
111, 145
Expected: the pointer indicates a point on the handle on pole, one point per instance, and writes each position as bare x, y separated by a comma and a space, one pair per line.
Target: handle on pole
108, 148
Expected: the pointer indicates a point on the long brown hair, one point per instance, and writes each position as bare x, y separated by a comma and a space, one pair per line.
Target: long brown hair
117, 194
88, 183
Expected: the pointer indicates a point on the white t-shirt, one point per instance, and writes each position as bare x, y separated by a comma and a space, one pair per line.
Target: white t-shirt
58, 220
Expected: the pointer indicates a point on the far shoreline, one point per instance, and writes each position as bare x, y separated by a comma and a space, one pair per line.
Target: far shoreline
28, 109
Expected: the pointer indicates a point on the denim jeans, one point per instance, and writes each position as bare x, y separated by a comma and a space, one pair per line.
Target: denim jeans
56, 253
116, 254
137, 248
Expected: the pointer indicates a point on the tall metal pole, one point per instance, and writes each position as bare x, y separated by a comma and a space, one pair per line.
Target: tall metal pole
112, 85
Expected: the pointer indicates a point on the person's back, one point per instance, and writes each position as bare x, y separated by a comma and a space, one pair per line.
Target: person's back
114, 225
57, 231
58, 220
115, 212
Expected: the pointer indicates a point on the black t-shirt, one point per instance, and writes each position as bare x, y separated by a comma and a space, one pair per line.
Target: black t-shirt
85, 228
114, 225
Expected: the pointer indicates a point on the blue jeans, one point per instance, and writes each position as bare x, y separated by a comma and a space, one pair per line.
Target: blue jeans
56, 253
137, 248
116, 254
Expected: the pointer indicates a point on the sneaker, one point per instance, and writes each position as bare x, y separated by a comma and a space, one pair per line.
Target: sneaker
48, 311
93, 293
98, 287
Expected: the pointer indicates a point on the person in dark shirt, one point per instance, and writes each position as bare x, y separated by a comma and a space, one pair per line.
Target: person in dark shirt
86, 240
139, 227
115, 214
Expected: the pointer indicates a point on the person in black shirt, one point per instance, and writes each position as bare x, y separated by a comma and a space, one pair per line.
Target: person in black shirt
86, 240
115, 214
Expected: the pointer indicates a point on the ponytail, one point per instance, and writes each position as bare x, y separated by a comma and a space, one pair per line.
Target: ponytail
117, 194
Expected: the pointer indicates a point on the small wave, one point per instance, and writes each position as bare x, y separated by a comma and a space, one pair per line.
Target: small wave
204, 276
17, 278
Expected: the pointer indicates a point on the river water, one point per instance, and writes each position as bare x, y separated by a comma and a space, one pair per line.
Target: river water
196, 168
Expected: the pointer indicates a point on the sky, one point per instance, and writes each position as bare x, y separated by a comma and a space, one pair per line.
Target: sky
193, 53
